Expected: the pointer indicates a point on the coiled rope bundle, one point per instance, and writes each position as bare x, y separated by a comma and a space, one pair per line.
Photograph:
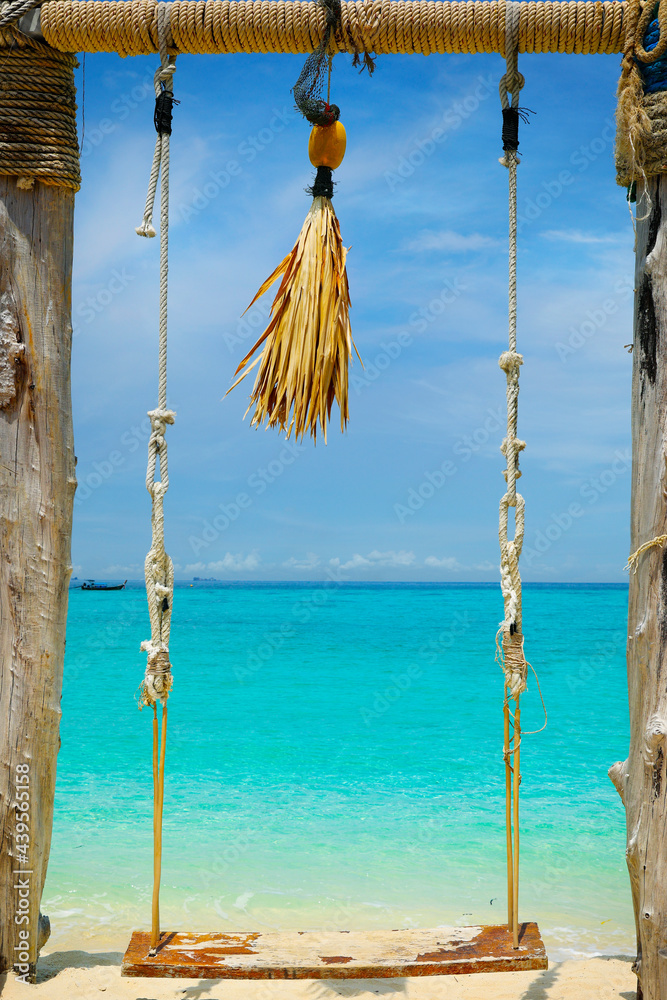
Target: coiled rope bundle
297, 26
641, 115
37, 97
38, 138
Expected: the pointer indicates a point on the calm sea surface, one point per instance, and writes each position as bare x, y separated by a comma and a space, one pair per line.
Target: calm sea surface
335, 760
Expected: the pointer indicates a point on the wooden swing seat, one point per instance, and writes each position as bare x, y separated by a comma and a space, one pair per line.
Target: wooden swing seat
337, 954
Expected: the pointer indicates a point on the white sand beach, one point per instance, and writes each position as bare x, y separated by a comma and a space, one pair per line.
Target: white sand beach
80, 975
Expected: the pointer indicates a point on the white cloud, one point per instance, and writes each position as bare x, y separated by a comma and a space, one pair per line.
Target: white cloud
132, 571
309, 562
402, 418
376, 558
356, 562
451, 242
230, 563
447, 562
579, 236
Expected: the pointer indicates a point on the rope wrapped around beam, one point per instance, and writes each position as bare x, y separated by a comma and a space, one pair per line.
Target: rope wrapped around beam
38, 139
129, 27
641, 114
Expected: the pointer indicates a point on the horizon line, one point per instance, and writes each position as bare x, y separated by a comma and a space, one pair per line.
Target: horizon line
344, 583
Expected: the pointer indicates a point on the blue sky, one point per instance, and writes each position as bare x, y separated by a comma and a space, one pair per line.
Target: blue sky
411, 491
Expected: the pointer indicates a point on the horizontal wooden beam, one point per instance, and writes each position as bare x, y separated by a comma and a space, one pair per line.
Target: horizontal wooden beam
337, 954
129, 27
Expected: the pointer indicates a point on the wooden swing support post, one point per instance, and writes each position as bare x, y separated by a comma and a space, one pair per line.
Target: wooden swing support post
37, 483
511, 753
507, 750
516, 781
159, 755
37, 479
641, 780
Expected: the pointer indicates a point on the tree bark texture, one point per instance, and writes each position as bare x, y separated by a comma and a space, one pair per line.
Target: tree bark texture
37, 483
641, 780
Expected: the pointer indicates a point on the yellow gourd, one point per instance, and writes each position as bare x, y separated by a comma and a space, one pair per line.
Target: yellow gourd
326, 146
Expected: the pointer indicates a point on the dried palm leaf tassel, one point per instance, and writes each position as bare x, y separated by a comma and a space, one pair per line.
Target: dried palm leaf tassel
303, 366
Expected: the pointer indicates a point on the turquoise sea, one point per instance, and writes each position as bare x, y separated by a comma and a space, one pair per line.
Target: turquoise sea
335, 760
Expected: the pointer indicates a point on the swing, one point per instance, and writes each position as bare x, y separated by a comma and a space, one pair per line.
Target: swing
508, 947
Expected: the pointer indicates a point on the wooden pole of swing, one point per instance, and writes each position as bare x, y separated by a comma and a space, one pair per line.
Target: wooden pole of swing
515, 822
508, 814
37, 483
641, 780
158, 810
155, 925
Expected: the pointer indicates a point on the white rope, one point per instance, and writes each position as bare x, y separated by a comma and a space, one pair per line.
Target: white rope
15, 9
159, 569
512, 81
509, 640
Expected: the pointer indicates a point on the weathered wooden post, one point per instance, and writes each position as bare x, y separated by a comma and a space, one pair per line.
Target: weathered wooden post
39, 174
641, 780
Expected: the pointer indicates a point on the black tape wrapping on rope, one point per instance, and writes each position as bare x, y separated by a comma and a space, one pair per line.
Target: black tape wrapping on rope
164, 106
510, 128
511, 118
322, 186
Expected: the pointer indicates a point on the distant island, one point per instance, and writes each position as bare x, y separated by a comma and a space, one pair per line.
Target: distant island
205, 579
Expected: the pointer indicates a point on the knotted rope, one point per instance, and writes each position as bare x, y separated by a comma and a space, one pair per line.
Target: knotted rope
509, 640
633, 560
159, 569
